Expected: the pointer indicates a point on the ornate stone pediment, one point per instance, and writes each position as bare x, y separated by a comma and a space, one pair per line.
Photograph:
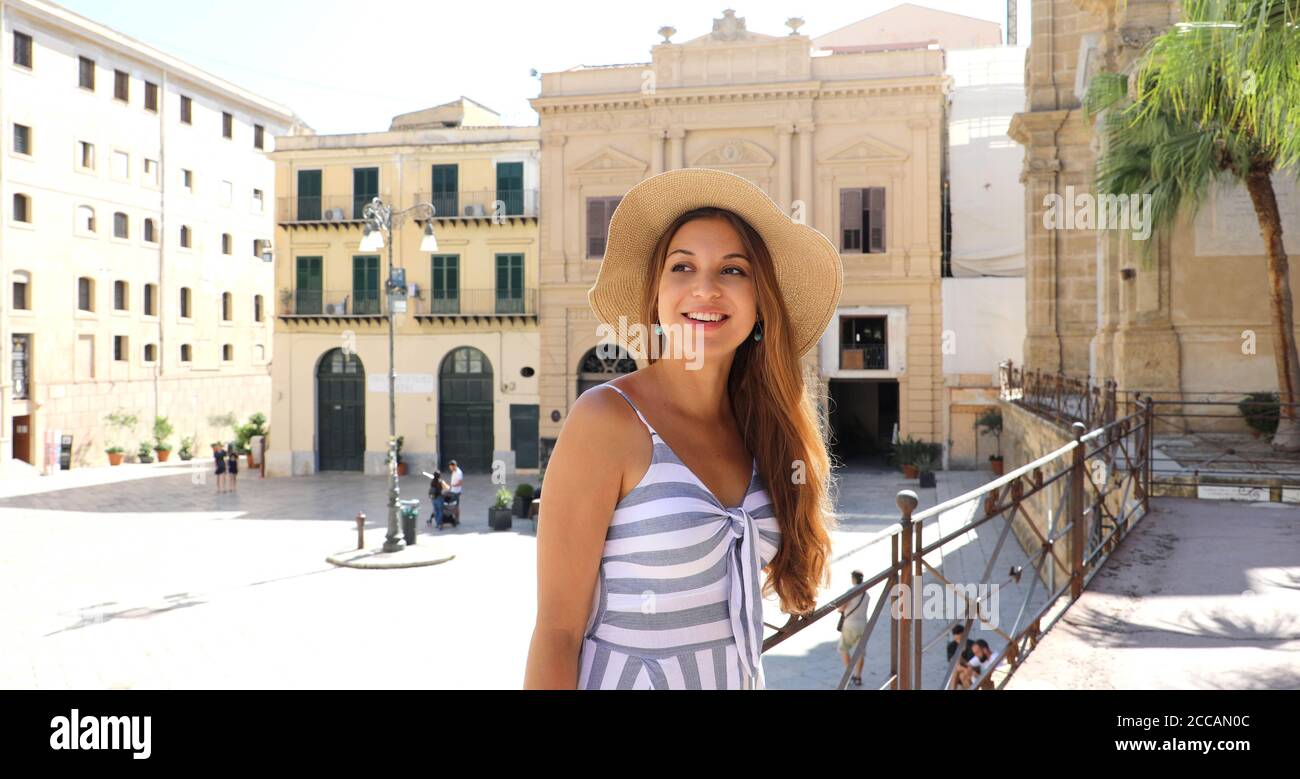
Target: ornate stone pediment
867, 150
731, 153
610, 160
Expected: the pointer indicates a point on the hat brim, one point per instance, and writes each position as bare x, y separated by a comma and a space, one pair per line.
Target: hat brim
808, 269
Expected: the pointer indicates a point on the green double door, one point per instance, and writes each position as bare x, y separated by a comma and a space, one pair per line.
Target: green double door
340, 412
465, 410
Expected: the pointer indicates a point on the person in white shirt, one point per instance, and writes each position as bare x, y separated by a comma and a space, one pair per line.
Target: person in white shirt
457, 478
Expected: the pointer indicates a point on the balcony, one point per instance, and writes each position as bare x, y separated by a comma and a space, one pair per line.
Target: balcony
483, 204
869, 357
317, 209
423, 303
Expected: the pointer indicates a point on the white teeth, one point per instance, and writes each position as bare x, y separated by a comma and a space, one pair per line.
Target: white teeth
705, 317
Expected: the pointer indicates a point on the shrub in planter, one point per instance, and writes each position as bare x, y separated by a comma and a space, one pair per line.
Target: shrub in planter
187, 448
995, 462
499, 513
925, 469
991, 422
115, 455
144, 453
905, 453
401, 466
523, 499
1260, 410
163, 451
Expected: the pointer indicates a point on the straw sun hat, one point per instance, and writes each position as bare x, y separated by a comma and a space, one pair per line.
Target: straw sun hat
809, 273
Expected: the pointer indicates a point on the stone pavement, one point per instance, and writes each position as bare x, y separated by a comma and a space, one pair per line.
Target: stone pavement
150, 579
1202, 595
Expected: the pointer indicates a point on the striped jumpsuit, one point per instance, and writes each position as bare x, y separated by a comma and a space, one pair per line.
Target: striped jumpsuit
678, 604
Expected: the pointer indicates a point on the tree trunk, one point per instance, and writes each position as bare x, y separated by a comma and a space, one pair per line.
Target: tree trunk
1264, 199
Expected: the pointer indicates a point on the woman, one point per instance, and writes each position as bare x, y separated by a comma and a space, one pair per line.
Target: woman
671, 489
219, 455
232, 465
436, 488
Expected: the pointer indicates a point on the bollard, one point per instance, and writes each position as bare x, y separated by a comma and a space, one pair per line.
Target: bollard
361, 530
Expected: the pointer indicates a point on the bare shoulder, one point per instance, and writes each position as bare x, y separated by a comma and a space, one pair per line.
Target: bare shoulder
602, 429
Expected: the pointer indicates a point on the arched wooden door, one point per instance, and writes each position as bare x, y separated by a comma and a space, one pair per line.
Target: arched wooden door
465, 410
340, 412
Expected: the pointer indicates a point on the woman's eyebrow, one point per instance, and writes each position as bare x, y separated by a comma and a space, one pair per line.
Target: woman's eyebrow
735, 255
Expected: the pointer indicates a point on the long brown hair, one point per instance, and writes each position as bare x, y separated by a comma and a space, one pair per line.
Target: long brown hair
774, 405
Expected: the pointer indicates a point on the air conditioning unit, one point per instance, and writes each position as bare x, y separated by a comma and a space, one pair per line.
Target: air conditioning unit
475, 209
333, 215
336, 309
413, 290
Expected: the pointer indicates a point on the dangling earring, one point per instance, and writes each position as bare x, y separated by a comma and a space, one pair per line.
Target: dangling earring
659, 330
758, 330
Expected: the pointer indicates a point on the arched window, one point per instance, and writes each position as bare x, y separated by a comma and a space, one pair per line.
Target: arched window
121, 228
86, 219
602, 363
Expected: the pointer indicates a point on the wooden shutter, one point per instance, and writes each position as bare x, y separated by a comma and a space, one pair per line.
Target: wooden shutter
596, 224
876, 211
851, 220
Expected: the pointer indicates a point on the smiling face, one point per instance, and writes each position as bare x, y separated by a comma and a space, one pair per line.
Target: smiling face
707, 286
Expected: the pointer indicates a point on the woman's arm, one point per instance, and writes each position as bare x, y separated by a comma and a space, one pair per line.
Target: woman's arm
583, 480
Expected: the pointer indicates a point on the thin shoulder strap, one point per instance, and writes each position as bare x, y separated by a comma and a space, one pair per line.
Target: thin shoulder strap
634, 408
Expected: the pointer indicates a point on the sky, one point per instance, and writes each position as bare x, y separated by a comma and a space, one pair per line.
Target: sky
347, 66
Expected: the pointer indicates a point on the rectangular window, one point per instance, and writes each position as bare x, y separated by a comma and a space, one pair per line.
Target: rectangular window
121, 86
151, 172
259, 137
22, 207
510, 283
227, 244
510, 187
365, 187
187, 180
259, 200
226, 305
86, 155
151, 96
22, 139
20, 295
149, 231
227, 125
444, 296
185, 302
150, 292
119, 296
227, 352
121, 226
307, 291
85, 294
445, 195
85, 360
257, 308
863, 343
22, 49
119, 348
185, 353
365, 284
187, 110
187, 237
862, 220
86, 73
21, 349
599, 211
150, 351
309, 196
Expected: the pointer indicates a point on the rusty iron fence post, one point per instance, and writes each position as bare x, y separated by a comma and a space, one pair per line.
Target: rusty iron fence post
906, 501
891, 592
1149, 422
1077, 530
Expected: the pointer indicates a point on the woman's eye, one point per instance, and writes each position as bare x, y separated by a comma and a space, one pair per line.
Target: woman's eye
741, 271
679, 265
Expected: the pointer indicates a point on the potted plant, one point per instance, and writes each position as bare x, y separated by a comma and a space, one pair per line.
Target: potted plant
991, 422
187, 448
245, 433
905, 453
925, 469
162, 430
286, 301
523, 500
499, 514
144, 453
401, 466
1260, 410
121, 422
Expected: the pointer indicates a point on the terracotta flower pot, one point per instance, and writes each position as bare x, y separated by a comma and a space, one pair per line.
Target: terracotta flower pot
996, 465
910, 472
163, 454
401, 469
115, 458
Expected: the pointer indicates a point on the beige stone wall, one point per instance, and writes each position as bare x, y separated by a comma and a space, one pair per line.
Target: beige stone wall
1025, 438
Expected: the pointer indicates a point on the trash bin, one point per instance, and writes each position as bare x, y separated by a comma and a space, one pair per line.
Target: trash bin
409, 511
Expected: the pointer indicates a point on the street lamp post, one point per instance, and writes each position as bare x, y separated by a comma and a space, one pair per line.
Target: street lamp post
380, 220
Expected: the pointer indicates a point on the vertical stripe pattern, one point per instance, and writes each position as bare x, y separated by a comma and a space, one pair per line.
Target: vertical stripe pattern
678, 603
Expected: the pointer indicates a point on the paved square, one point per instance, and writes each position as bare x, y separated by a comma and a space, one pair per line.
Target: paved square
142, 576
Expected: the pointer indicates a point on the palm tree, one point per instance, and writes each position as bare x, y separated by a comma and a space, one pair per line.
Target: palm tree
1214, 100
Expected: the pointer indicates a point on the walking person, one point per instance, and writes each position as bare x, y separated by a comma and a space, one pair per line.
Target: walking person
710, 483
437, 491
232, 466
852, 625
457, 486
219, 455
